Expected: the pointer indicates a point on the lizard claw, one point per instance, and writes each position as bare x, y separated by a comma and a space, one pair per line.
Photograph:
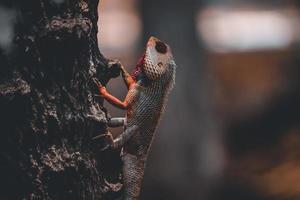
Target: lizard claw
106, 138
101, 88
97, 82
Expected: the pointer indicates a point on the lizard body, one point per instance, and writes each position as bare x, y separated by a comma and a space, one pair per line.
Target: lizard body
148, 89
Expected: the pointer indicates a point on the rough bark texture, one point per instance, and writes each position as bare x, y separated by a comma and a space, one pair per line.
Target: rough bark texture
48, 111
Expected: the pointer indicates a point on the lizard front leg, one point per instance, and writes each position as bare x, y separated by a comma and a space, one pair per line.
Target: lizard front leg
110, 98
129, 81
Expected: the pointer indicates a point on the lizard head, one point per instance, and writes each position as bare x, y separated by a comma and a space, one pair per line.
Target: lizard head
157, 58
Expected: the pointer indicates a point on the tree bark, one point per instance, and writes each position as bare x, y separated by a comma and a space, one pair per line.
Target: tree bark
48, 111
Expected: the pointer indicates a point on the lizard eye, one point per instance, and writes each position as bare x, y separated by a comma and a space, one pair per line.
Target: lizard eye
161, 47
160, 64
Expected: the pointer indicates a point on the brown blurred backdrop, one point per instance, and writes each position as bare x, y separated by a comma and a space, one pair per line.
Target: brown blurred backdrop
231, 128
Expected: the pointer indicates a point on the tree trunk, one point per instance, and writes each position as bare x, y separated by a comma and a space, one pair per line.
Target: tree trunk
48, 111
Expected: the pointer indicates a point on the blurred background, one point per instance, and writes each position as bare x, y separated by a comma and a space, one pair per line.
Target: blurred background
231, 128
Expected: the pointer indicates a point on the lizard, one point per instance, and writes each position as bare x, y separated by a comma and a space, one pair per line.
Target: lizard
148, 88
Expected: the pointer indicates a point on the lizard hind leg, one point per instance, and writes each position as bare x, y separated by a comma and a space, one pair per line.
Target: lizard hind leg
105, 140
116, 122
124, 137
119, 141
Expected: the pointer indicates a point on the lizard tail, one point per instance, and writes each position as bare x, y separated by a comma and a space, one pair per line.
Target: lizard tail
133, 172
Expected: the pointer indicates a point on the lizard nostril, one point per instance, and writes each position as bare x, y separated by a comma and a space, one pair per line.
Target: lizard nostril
161, 47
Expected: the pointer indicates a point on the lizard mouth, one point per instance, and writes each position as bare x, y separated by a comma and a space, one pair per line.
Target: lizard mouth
138, 69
